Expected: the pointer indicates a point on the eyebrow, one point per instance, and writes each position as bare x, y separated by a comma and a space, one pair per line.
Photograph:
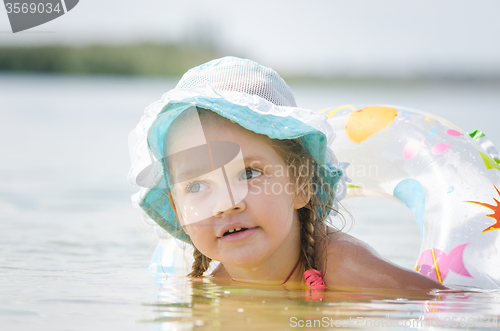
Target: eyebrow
254, 158
189, 172
186, 175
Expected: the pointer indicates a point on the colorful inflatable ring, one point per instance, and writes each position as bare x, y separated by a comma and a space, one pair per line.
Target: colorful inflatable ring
448, 178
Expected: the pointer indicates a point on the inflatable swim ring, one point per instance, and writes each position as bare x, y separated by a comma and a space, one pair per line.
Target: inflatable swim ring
448, 178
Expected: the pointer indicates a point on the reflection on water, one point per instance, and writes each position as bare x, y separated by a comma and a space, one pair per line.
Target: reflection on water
181, 305
74, 251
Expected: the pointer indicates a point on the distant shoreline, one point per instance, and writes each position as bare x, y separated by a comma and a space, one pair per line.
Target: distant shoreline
167, 60
132, 60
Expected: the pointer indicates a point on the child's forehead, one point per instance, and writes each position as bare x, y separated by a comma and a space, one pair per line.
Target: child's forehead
223, 130
255, 149
215, 128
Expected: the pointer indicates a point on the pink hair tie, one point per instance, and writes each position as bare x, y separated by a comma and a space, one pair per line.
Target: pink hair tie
313, 278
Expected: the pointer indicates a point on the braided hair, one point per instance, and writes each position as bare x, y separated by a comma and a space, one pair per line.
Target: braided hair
306, 175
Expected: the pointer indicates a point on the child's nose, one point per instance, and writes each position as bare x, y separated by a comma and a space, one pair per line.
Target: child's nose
226, 207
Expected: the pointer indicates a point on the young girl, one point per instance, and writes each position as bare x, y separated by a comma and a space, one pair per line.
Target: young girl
236, 169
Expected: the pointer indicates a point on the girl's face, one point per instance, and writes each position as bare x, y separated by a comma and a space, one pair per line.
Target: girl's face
245, 232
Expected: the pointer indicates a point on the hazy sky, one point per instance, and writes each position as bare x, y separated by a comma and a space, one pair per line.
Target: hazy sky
355, 37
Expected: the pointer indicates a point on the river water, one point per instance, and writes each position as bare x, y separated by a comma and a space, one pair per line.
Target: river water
74, 253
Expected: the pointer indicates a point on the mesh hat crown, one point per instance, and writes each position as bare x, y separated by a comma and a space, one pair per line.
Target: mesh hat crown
234, 74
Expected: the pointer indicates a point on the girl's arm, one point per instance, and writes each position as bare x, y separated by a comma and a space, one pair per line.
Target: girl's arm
352, 264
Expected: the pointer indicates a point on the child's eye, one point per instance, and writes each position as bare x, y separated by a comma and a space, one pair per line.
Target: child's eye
196, 187
249, 173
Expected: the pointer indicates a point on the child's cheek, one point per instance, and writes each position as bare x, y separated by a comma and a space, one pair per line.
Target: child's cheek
199, 231
256, 186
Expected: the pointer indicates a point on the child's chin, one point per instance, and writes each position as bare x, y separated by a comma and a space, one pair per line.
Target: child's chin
246, 259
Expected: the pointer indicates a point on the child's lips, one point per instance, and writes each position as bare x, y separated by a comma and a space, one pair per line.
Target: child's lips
236, 236
232, 225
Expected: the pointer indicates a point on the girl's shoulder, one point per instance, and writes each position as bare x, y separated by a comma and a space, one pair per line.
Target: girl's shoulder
340, 245
349, 263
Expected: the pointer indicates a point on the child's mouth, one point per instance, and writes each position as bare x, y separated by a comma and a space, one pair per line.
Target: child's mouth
232, 231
